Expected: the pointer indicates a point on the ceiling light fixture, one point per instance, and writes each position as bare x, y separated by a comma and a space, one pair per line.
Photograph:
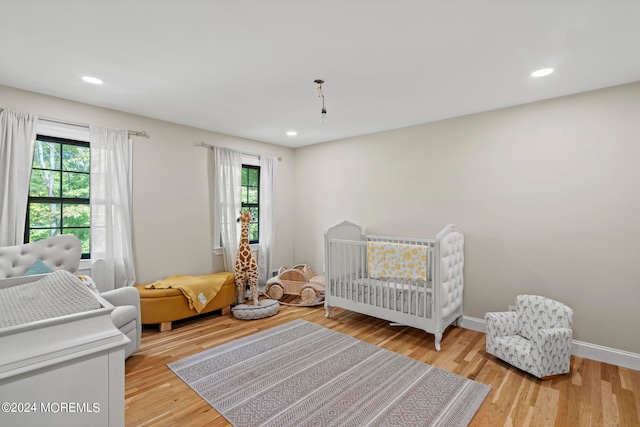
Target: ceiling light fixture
292, 133
542, 72
92, 80
323, 112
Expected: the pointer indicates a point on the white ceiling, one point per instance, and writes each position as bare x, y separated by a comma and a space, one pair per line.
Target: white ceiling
246, 67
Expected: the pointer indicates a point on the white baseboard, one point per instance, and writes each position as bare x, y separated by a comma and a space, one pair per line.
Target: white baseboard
474, 324
596, 352
626, 359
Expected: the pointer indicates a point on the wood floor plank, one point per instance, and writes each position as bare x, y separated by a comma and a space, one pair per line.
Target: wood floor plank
521, 411
610, 415
593, 394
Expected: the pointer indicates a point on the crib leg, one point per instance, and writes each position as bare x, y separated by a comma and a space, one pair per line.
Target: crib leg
438, 339
458, 322
329, 311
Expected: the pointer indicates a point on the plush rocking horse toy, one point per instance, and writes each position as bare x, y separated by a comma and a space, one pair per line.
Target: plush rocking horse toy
246, 268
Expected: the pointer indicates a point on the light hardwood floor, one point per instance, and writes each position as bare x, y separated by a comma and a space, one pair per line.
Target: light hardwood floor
593, 394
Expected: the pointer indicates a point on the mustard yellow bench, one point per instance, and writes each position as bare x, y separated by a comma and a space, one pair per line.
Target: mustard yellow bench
163, 306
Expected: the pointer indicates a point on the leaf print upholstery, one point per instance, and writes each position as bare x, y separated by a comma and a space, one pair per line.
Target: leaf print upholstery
535, 338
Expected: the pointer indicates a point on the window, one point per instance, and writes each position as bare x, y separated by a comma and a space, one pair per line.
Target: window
59, 191
251, 198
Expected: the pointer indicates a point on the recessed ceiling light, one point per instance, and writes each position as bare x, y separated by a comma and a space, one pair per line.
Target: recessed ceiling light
542, 72
92, 80
292, 133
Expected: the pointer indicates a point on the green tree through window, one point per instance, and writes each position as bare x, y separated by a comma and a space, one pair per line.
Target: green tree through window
251, 199
59, 191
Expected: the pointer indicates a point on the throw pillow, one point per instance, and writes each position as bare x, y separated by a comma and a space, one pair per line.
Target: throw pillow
38, 267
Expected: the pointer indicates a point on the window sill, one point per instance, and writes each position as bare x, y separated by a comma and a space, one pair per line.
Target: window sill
220, 251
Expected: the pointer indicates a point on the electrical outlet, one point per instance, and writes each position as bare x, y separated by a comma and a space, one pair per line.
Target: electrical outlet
512, 308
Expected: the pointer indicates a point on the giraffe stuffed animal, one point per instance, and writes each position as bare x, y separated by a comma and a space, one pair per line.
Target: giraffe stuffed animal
246, 268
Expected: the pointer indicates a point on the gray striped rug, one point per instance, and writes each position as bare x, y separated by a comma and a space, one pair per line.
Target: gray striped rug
302, 374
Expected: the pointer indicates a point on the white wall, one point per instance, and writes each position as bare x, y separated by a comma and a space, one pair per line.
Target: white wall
546, 193
171, 225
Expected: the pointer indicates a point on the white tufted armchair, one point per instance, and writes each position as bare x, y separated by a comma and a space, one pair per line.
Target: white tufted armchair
535, 338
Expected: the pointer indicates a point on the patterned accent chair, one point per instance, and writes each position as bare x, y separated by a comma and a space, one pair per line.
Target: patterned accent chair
535, 338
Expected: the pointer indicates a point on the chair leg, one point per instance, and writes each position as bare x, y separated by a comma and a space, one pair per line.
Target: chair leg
165, 326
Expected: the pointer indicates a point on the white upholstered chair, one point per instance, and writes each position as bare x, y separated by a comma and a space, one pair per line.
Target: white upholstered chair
535, 338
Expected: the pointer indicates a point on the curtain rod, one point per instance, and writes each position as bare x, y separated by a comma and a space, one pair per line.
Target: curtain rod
143, 133
204, 144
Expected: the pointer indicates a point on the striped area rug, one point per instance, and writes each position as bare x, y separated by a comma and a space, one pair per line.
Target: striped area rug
302, 374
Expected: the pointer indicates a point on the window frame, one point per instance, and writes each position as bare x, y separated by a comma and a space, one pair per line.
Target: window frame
60, 200
249, 206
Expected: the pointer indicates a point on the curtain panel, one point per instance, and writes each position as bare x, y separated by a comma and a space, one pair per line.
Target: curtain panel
225, 185
268, 166
111, 208
17, 140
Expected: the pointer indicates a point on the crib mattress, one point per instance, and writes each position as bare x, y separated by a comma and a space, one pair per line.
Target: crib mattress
389, 295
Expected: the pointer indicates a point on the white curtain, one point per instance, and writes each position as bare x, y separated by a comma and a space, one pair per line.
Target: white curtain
17, 136
268, 166
225, 185
111, 208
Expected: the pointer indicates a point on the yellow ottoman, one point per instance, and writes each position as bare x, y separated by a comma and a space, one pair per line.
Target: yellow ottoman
164, 306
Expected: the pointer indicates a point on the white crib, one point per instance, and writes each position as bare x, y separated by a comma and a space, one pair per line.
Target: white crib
430, 303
